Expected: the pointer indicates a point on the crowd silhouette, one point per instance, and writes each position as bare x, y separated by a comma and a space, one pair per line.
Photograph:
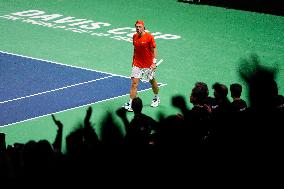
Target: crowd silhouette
214, 125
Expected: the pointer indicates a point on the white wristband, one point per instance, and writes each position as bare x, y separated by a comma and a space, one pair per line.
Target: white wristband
154, 60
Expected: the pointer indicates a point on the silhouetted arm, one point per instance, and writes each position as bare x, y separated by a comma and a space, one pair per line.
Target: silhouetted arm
57, 144
121, 112
90, 135
179, 102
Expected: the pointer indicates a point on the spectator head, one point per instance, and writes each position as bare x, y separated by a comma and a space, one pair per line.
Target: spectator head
198, 95
236, 90
203, 85
137, 105
220, 90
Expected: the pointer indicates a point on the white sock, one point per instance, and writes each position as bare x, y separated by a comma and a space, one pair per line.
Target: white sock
130, 101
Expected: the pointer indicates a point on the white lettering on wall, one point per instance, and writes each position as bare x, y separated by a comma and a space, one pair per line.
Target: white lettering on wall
79, 25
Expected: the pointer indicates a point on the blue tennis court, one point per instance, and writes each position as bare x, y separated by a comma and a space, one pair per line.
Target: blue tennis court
32, 88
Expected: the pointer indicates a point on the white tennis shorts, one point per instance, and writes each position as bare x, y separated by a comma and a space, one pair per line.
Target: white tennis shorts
138, 72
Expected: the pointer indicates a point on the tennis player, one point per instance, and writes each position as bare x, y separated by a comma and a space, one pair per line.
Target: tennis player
144, 57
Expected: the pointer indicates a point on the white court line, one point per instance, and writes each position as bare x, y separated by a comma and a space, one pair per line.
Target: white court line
53, 62
162, 85
58, 63
53, 90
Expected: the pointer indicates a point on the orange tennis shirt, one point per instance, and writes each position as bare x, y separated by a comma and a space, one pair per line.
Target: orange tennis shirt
143, 55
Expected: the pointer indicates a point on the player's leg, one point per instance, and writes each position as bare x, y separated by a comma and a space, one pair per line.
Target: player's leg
155, 88
134, 86
135, 77
133, 93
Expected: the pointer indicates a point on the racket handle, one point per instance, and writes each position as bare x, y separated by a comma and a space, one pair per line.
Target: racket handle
159, 62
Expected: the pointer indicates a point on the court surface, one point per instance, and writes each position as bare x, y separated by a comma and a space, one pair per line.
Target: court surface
42, 88
62, 56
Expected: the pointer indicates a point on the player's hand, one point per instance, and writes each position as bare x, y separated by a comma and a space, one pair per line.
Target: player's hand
153, 66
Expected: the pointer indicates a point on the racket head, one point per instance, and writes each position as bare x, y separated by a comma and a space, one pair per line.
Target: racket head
145, 75
148, 73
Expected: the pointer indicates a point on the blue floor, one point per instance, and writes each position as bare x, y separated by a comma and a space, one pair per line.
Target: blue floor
32, 88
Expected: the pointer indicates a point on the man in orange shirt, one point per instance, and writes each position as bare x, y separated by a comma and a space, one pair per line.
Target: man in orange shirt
144, 57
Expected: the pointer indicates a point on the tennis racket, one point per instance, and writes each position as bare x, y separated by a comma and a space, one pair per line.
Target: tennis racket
148, 73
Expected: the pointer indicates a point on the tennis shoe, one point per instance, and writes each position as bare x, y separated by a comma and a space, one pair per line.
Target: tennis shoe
155, 102
127, 106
